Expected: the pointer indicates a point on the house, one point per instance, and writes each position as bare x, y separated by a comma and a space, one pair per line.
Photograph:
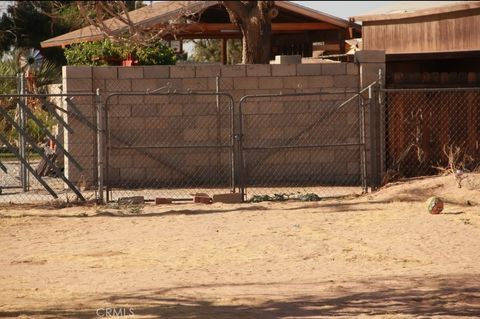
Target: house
427, 43
295, 28
432, 96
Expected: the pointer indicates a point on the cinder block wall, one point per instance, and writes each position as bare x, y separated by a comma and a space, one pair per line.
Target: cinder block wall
187, 120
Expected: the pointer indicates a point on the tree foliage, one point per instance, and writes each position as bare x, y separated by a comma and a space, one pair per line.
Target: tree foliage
107, 52
27, 23
209, 50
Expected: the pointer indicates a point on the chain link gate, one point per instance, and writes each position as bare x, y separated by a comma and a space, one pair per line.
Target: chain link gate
303, 145
43, 134
170, 145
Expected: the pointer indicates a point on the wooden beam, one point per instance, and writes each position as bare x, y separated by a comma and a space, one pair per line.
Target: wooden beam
232, 28
223, 57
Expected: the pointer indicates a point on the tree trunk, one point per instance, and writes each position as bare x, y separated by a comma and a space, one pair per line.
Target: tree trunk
253, 19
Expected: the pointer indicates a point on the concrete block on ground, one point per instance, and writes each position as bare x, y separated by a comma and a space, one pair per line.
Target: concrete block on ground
231, 198
161, 201
133, 200
202, 198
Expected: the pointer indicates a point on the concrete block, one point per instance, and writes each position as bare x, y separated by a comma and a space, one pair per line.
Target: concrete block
202, 198
259, 70
167, 110
370, 56
161, 201
270, 82
118, 85
195, 135
156, 71
319, 81
182, 71
334, 68
346, 81
130, 99
142, 85
117, 110
309, 69
98, 84
288, 59
133, 174
133, 200
244, 83
284, 69
295, 82
130, 72
226, 84
352, 69
233, 70
105, 72
144, 110
195, 84
79, 85
76, 72
205, 71
231, 198
369, 73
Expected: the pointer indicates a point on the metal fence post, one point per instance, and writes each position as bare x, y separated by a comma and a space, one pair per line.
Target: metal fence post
373, 139
363, 148
100, 145
22, 122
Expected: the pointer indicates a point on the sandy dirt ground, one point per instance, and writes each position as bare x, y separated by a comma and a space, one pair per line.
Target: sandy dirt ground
381, 255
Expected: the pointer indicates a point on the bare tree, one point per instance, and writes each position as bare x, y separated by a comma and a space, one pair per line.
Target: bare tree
252, 17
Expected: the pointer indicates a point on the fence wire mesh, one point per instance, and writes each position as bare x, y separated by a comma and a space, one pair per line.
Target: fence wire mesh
169, 145
428, 130
297, 145
48, 147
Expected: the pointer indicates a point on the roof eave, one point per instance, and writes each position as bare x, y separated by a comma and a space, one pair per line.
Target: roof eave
419, 13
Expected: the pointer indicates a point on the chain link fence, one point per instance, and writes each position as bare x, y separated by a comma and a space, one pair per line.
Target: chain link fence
38, 163
428, 130
169, 145
302, 145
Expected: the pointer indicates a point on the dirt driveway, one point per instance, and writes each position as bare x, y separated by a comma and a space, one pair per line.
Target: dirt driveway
365, 257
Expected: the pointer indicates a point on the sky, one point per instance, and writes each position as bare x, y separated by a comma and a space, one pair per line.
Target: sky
341, 9
344, 9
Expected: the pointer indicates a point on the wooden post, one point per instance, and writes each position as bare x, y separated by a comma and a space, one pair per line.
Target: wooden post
223, 53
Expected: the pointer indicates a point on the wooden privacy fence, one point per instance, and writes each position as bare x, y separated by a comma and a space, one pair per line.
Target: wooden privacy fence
421, 124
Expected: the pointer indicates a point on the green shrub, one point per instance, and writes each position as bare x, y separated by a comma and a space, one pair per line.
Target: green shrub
106, 52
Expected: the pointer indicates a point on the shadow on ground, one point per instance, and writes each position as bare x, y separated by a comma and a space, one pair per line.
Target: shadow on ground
442, 297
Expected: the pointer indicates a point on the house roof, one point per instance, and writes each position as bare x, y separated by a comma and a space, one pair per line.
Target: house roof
165, 12
411, 9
